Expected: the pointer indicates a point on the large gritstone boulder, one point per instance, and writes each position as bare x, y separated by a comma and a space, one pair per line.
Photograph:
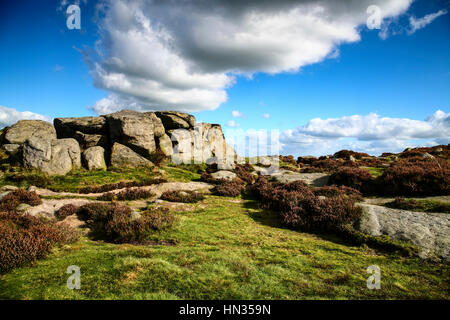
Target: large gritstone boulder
134, 130
56, 157
67, 127
25, 129
94, 158
122, 156
428, 231
176, 120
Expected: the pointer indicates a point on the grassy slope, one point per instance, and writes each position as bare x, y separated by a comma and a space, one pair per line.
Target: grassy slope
78, 179
226, 250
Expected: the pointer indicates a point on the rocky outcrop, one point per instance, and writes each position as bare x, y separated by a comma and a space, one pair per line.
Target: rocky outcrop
94, 158
428, 231
25, 129
56, 157
125, 138
122, 156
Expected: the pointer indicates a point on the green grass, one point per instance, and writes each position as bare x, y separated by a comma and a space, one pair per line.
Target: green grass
227, 248
376, 171
420, 205
78, 179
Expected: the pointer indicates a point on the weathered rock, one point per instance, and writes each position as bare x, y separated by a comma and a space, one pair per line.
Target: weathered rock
8, 188
94, 158
352, 158
133, 129
312, 179
23, 207
4, 194
224, 175
158, 127
122, 156
37, 153
427, 155
25, 129
165, 144
55, 157
428, 231
12, 149
87, 140
67, 127
66, 156
176, 120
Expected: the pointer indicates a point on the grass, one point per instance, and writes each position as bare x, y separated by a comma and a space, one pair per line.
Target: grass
78, 179
227, 248
420, 205
376, 171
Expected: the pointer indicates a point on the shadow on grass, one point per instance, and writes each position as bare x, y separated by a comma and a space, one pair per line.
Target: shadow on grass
271, 218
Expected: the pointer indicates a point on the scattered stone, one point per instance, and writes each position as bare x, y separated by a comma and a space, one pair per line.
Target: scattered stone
352, 158
427, 155
312, 179
224, 175
23, 207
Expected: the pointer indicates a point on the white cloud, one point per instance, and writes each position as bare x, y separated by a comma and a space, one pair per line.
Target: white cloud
370, 133
266, 115
233, 124
9, 116
420, 23
184, 55
237, 114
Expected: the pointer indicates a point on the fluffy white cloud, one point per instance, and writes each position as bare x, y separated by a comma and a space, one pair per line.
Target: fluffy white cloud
370, 133
420, 23
237, 114
233, 124
184, 54
9, 116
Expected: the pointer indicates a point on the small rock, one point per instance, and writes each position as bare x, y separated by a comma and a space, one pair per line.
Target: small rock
23, 207
9, 188
427, 155
4, 194
223, 174
135, 215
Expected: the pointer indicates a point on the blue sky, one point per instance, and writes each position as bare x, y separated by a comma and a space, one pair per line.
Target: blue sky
402, 75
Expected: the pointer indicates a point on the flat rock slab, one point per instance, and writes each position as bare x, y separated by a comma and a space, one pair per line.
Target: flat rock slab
50, 206
312, 179
157, 189
428, 231
384, 200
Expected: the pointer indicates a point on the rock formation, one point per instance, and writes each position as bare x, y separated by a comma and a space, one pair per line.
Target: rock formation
125, 138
